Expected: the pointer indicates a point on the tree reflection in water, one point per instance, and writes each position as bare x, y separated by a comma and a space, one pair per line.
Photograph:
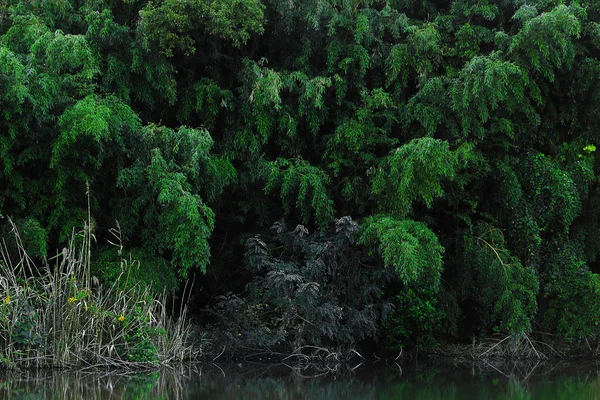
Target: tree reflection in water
429, 380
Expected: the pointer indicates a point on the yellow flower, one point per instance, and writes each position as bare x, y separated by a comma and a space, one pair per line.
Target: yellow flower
121, 318
72, 299
85, 308
6, 300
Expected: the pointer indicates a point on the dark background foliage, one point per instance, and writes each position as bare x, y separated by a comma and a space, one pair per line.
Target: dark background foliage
459, 136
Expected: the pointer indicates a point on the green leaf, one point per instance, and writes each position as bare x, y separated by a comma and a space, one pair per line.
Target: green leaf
407, 246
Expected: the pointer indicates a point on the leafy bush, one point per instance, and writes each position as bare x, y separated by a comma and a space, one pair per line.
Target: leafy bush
315, 289
573, 295
417, 318
141, 268
501, 289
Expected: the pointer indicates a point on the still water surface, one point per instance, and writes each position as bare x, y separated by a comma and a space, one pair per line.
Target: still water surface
429, 380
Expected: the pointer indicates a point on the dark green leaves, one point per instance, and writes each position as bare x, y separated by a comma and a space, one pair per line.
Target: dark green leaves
171, 24
508, 289
305, 288
96, 122
302, 187
417, 118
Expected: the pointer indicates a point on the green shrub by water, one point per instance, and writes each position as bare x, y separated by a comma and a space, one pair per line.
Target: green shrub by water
307, 289
60, 315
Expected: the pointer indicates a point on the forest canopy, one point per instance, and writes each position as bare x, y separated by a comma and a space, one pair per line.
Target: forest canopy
437, 157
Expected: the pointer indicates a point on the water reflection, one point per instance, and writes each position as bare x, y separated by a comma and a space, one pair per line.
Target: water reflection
53, 384
429, 380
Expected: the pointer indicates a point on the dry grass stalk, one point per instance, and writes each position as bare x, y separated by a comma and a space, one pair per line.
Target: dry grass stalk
60, 316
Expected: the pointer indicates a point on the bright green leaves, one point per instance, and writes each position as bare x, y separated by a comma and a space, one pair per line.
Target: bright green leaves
103, 29
234, 20
91, 120
13, 96
277, 101
165, 24
475, 8
443, 112
398, 63
362, 28
413, 172
162, 190
356, 139
186, 220
60, 66
418, 56
69, 56
546, 42
57, 70
149, 270
261, 105
173, 24
484, 85
12, 81
590, 148
24, 32
263, 95
409, 247
425, 49
504, 290
34, 236
525, 13
352, 136
467, 41
302, 187
91, 132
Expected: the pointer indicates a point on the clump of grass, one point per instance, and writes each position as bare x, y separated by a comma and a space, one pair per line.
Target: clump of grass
60, 316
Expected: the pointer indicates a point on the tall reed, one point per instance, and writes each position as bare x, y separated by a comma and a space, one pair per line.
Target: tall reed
59, 315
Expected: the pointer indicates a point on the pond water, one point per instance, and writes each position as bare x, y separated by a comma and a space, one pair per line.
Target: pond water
429, 380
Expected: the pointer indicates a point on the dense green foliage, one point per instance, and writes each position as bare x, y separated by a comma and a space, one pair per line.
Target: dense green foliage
460, 136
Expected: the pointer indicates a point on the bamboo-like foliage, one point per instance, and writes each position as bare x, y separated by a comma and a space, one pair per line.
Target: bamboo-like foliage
197, 124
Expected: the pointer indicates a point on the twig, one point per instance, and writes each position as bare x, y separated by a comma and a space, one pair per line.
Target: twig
357, 353
220, 354
223, 372
494, 346
352, 369
399, 354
